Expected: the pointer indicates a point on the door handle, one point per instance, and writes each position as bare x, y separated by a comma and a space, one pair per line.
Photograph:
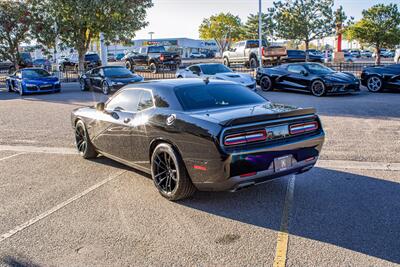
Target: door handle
127, 120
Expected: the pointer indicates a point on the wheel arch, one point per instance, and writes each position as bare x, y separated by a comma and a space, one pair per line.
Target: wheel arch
155, 142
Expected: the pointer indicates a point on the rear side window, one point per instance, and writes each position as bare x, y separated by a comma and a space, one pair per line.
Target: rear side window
127, 101
216, 96
146, 101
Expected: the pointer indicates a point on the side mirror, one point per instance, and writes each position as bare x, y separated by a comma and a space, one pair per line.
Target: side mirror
100, 106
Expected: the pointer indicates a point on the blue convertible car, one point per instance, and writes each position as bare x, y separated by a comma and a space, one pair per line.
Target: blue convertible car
32, 80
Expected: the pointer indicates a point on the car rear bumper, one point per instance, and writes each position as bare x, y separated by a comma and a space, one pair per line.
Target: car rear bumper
247, 168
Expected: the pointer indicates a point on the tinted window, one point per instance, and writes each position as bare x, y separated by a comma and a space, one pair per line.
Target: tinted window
195, 69
117, 72
156, 49
296, 53
34, 73
92, 57
146, 100
127, 100
216, 96
254, 43
318, 69
296, 68
212, 69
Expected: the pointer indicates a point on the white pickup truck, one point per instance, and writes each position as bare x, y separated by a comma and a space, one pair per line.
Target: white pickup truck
246, 52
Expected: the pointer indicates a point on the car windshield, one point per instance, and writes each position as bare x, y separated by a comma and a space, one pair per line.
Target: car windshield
211, 96
156, 49
212, 69
34, 73
114, 72
296, 53
318, 69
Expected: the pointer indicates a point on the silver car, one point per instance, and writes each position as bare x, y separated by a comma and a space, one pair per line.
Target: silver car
216, 71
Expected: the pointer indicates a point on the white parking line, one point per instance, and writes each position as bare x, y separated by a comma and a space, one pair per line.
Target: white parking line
358, 165
12, 156
38, 149
56, 208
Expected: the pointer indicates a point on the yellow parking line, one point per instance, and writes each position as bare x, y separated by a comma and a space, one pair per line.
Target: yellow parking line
283, 235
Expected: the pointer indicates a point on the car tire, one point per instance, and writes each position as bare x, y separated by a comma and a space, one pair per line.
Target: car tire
179, 77
374, 84
128, 65
105, 88
169, 174
9, 87
318, 88
82, 84
153, 68
21, 90
253, 63
226, 62
83, 143
266, 84
11, 70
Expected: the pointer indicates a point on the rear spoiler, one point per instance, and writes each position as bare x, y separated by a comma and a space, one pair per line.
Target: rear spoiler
267, 117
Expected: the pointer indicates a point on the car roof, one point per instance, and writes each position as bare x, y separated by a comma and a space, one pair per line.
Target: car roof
173, 83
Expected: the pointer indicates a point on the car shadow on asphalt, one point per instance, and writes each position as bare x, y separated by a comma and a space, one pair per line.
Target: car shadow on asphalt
351, 211
19, 261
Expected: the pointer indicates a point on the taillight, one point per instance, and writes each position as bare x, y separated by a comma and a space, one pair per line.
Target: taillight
243, 138
263, 51
162, 57
303, 127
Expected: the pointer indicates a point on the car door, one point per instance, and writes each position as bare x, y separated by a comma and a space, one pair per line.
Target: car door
240, 52
140, 128
116, 125
95, 78
296, 77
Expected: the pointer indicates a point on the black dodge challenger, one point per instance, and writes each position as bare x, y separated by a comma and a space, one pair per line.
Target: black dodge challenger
376, 79
192, 134
308, 77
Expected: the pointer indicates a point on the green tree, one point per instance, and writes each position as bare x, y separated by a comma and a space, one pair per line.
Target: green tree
15, 19
304, 20
79, 22
250, 28
379, 27
222, 28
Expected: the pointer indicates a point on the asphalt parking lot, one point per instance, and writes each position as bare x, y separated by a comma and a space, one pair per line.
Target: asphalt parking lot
60, 210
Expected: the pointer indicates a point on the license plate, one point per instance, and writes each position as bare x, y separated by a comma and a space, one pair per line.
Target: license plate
283, 163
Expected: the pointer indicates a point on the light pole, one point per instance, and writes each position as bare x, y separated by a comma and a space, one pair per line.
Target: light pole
259, 34
151, 35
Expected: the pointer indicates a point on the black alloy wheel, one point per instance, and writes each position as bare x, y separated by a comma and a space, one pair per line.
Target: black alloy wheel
169, 174
253, 63
9, 87
105, 88
83, 144
153, 68
266, 83
318, 88
128, 65
374, 84
83, 85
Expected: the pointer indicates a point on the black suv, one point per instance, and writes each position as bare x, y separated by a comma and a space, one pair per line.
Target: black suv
25, 61
154, 58
92, 60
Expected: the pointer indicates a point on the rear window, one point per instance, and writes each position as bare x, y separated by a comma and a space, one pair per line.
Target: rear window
254, 43
156, 49
296, 52
92, 57
216, 96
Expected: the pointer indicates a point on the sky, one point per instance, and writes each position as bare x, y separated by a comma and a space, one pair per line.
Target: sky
182, 18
